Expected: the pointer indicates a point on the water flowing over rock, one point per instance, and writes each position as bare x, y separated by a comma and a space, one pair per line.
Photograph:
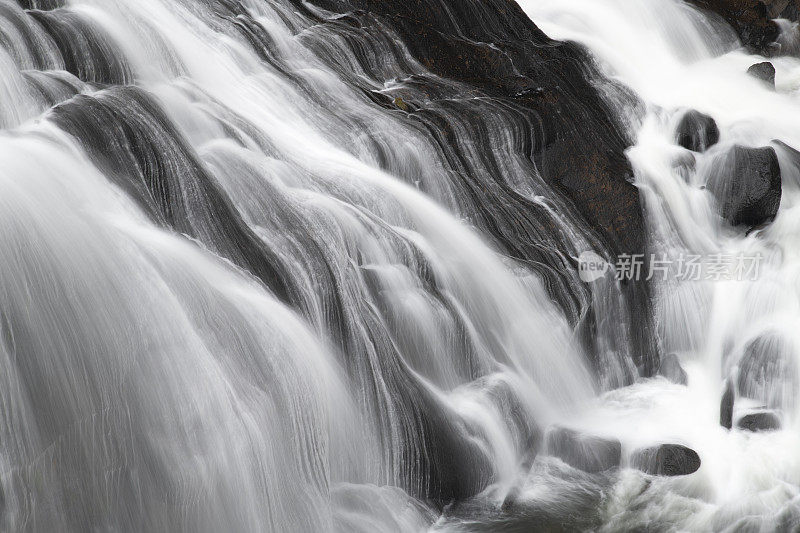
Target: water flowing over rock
697, 131
564, 127
585, 452
672, 370
318, 265
750, 18
768, 372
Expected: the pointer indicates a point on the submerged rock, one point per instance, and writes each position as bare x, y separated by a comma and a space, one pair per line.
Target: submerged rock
763, 71
726, 405
585, 452
760, 421
697, 131
666, 460
672, 370
747, 185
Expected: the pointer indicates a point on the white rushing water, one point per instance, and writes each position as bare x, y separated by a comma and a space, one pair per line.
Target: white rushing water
221, 312
675, 58
152, 383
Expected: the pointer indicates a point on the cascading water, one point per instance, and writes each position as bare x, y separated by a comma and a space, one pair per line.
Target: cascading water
217, 314
676, 58
241, 292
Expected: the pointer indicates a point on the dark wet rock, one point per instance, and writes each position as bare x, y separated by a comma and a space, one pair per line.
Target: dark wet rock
585, 452
746, 183
760, 421
672, 370
697, 131
768, 372
726, 405
764, 71
666, 460
749, 18
545, 92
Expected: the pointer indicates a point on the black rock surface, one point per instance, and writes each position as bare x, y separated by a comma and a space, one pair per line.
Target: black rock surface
764, 71
697, 131
666, 460
488, 65
746, 183
760, 421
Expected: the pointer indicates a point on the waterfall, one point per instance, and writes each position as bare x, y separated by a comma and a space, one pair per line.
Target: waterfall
220, 311
265, 269
676, 58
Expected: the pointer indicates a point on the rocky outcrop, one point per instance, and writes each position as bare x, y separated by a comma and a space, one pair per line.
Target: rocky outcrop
746, 184
666, 460
697, 131
585, 452
764, 71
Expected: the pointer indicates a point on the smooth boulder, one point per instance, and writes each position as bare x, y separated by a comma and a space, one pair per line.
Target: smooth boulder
585, 452
764, 71
760, 421
746, 183
666, 460
671, 369
697, 131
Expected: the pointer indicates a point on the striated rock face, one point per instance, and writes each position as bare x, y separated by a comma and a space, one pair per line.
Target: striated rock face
492, 46
497, 70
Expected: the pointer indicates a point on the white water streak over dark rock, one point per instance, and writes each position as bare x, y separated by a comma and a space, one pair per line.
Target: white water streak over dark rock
240, 292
